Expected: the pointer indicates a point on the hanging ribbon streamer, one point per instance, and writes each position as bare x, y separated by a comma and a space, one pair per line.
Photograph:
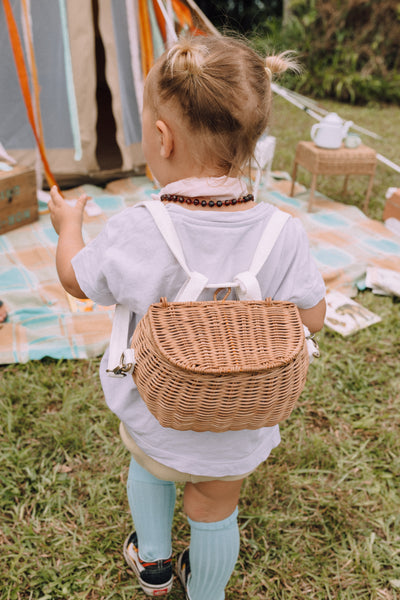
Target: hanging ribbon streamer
134, 48
166, 19
27, 29
158, 42
24, 84
146, 43
146, 46
168, 22
69, 78
160, 19
28, 41
183, 15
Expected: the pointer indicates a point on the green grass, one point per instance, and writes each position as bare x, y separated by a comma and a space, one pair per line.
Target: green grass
319, 520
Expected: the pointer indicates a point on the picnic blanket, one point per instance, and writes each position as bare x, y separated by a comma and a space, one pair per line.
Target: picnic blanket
45, 321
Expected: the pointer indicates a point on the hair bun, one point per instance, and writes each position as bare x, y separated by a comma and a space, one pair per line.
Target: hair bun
184, 56
279, 63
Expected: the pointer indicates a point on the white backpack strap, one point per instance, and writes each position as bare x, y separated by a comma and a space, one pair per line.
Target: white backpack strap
196, 282
267, 241
121, 359
167, 229
248, 286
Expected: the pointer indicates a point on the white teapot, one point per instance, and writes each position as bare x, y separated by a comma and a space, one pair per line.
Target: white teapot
330, 131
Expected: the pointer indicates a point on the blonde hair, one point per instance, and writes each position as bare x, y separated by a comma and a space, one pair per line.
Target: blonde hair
223, 89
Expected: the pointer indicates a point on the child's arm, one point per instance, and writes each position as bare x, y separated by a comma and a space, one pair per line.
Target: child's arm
67, 221
314, 317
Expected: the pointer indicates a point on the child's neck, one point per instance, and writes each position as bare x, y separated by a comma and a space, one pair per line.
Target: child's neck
193, 173
216, 188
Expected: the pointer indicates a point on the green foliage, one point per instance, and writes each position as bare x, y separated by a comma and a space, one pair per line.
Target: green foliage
241, 15
350, 48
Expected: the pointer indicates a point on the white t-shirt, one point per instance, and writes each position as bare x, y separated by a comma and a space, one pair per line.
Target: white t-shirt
129, 263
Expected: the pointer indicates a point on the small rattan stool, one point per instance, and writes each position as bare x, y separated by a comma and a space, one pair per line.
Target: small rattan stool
343, 161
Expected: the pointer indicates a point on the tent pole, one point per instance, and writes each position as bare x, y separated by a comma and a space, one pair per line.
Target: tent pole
308, 105
388, 162
284, 93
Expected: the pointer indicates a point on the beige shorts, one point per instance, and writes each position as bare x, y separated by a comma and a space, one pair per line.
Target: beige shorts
162, 471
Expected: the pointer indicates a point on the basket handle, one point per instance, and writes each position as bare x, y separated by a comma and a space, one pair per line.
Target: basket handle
220, 290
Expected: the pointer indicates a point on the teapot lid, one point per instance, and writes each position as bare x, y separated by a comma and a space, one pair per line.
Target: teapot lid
332, 118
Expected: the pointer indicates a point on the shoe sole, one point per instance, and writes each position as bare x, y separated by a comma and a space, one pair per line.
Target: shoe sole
149, 590
181, 575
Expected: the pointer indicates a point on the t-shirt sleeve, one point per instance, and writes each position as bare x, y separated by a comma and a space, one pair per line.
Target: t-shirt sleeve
297, 272
88, 267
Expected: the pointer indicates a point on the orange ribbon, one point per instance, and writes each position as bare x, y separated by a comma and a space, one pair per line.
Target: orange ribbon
160, 19
146, 42
184, 16
24, 84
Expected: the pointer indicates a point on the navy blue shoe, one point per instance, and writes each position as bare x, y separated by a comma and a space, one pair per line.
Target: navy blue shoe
183, 569
155, 578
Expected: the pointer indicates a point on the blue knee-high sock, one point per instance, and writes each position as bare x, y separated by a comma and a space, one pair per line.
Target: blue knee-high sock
152, 503
214, 548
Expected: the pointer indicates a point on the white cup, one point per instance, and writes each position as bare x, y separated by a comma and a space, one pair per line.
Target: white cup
352, 140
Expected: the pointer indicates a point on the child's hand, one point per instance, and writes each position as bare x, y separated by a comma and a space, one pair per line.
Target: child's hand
62, 213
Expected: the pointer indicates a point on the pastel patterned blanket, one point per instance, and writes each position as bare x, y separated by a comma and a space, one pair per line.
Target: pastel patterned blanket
44, 321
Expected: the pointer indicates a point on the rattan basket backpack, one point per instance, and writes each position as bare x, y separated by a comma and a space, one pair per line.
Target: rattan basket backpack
215, 365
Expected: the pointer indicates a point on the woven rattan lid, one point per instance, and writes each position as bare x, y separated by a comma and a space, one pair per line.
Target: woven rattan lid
222, 337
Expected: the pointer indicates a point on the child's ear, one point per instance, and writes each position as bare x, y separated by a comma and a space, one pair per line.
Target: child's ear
166, 139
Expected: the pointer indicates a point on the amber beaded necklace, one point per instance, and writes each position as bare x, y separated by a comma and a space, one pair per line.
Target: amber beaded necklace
204, 203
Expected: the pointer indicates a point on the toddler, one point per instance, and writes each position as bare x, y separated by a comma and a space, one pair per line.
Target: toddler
206, 103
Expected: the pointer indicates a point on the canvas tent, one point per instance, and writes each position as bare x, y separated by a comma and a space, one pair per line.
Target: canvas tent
89, 58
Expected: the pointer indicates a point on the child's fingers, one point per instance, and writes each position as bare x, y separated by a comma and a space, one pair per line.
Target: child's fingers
55, 195
82, 200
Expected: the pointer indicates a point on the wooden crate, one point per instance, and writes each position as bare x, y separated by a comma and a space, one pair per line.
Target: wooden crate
392, 206
18, 201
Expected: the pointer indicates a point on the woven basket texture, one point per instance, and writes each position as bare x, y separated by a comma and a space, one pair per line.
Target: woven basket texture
218, 366
343, 161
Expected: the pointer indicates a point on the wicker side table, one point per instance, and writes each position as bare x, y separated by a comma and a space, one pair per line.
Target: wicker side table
343, 161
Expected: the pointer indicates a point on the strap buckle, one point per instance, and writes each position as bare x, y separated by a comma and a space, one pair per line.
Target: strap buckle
125, 366
312, 347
